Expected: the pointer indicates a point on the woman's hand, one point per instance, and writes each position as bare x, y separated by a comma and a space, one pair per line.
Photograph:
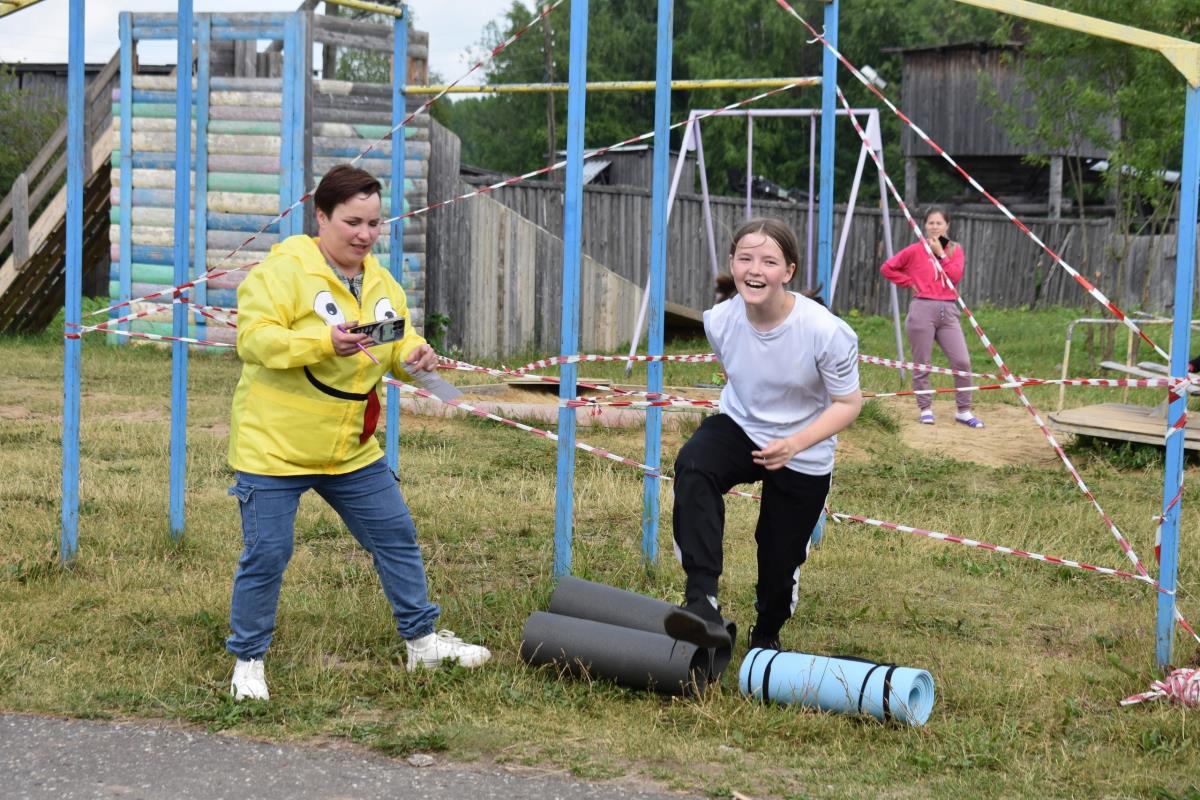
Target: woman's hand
936, 246
346, 343
776, 454
423, 359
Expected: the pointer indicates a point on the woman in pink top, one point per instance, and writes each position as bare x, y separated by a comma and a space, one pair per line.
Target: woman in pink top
933, 313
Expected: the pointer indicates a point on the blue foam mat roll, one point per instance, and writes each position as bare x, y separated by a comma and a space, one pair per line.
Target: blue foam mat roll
841, 685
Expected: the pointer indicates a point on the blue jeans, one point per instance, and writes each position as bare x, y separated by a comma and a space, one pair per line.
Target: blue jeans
369, 501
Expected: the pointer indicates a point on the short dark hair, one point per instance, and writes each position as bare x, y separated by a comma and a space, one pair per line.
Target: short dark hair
341, 183
775, 229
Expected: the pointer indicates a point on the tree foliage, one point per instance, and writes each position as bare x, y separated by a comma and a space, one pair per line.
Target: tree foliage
1080, 83
712, 39
1077, 83
28, 120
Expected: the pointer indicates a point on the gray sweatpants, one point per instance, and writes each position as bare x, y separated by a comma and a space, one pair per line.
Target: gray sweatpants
930, 320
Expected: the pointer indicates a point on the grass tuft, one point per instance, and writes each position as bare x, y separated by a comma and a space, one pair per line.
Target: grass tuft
1029, 659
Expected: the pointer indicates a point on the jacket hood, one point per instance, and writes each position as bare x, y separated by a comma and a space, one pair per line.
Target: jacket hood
305, 250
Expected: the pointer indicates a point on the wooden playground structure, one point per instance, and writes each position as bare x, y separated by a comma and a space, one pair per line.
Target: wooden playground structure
265, 129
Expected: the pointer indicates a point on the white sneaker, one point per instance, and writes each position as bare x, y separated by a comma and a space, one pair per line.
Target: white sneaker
249, 681
430, 651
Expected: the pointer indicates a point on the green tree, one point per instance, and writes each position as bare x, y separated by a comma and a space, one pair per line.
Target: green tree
1080, 83
28, 120
713, 39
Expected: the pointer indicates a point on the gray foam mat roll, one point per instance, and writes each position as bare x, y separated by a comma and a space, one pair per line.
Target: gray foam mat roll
620, 635
582, 599
634, 658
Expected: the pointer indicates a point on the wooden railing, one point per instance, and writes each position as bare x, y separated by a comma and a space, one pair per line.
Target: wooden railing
40, 179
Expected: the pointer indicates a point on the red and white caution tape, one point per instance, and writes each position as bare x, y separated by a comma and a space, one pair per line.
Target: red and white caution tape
596, 153
154, 337
495, 51
995, 548
587, 448
174, 292
589, 402
1135, 383
991, 349
1082, 281
216, 271
1181, 686
648, 470
912, 365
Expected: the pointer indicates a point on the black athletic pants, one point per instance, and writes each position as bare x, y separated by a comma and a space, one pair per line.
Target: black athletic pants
712, 462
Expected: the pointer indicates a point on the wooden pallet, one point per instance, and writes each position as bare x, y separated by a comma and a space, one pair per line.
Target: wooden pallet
1125, 422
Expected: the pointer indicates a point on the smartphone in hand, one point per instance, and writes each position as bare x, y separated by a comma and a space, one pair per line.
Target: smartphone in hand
381, 331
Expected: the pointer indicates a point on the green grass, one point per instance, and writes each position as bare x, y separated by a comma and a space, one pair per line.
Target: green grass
1029, 660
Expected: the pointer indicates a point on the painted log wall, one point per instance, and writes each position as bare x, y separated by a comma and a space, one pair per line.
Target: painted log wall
245, 153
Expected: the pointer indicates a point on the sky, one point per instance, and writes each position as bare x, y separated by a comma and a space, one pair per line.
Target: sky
39, 34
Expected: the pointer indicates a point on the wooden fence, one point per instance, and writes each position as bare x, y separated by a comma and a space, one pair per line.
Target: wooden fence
1004, 267
505, 295
499, 275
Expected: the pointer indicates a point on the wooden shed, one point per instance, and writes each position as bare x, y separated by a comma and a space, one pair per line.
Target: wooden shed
946, 92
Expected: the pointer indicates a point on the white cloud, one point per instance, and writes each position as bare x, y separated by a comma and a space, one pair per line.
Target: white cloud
39, 34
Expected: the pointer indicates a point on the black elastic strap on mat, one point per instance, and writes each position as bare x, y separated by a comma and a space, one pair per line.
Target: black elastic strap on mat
862, 690
750, 673
887, 690
766, 681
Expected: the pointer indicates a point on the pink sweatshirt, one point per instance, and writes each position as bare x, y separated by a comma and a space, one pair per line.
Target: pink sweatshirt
911, 267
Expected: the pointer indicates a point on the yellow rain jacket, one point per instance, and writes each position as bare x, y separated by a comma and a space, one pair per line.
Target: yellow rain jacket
299, 407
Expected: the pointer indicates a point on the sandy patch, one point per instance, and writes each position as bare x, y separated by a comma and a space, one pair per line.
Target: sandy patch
15, 412
540, 405
1010, 436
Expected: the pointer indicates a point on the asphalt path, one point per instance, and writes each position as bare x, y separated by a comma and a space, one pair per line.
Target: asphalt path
48, 758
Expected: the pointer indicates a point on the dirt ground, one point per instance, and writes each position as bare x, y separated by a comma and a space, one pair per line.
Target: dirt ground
1010, 437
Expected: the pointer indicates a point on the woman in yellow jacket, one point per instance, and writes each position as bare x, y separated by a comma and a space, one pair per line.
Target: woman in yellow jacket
304, 417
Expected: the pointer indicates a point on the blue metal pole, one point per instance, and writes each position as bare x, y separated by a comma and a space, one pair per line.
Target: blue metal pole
658, 272
828, 120
200, 291
298, 132
564, 505
825, 208
125, 257
73, 288
1185, 271
179, 317
287, 119
396, 235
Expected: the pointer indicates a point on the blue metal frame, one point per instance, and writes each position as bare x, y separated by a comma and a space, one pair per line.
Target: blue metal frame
564, 504
1180, 343
287, 121
298, 133
825, 207
73, 287
396, 234
828, 126
125, 261
179, 316
658, 273
200, 262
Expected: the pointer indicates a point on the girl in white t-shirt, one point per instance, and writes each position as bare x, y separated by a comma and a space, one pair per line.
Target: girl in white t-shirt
792, 384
